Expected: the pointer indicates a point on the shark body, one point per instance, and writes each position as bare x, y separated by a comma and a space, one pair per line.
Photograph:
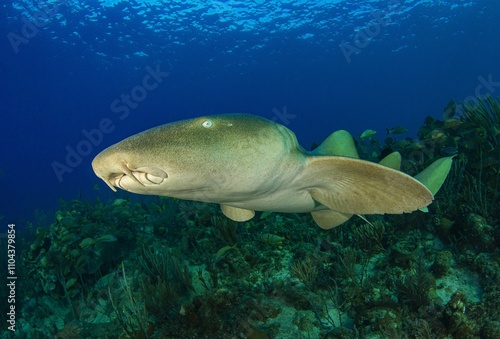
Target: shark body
247, 163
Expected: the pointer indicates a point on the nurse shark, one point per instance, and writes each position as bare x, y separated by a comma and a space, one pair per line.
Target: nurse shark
247, 163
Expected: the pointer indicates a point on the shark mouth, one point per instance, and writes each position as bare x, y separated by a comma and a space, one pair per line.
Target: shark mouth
128, 178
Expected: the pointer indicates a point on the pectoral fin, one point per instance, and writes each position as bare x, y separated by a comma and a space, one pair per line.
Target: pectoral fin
237, 214
352, 186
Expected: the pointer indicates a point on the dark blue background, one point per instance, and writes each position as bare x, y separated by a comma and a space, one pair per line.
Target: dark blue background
50, 91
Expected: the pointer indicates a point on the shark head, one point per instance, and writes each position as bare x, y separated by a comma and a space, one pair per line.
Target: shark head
201, 159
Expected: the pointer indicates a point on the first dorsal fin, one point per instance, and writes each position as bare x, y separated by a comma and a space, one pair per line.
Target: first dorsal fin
339, 143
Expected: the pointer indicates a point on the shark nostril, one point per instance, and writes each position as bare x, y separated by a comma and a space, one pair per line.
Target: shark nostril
148, 178
117, 180
124, 180
153, 178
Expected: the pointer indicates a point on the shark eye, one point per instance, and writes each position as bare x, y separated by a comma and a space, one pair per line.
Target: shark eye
207, 123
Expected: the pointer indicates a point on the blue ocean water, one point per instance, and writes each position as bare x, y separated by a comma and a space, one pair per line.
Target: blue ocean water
77, 77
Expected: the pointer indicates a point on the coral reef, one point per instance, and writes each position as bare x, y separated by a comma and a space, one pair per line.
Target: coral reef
163, 268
